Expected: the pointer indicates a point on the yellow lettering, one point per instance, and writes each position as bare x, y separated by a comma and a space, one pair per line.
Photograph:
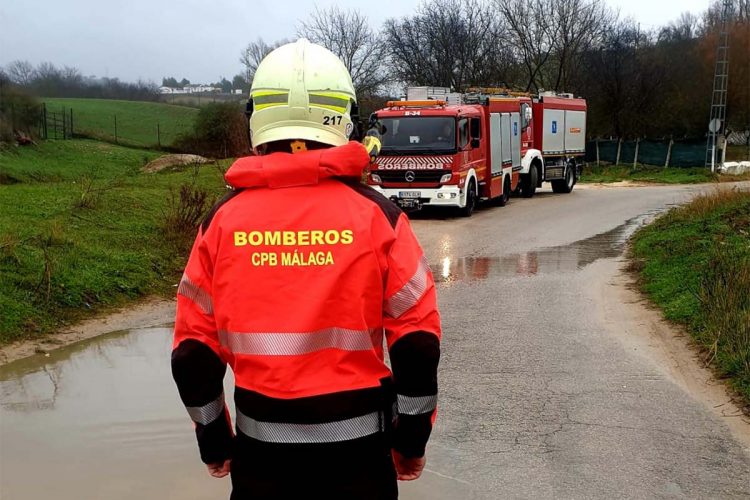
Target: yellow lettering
240, 239
289, 238
332, 237
329, 259
316, 237
255, 238
264, 259
347, 236
303, 238
286, 259
273, 237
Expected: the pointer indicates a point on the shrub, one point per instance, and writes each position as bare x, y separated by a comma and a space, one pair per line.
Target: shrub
19, 112
220, 131
186, 208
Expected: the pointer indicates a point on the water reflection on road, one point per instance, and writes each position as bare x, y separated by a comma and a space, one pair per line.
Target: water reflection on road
566, 258
99, 419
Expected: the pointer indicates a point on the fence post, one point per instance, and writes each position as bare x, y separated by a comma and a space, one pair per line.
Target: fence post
44, 120
12, 117
669, 152
158, 135
71, 123
115, 129
63, 114
637, 147
619, 148
597, 152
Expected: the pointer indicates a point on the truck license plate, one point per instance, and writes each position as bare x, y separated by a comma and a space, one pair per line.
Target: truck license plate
408, 203
409, 194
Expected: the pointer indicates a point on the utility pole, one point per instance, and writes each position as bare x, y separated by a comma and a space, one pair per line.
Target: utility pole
717, 122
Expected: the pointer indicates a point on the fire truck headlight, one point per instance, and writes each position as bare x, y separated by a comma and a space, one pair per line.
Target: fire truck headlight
445, 178
376, 178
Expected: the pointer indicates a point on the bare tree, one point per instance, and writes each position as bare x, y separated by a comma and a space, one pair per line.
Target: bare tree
348, 34
581, 24
686, 27
254, 53
533, 36
450, 43
20, 72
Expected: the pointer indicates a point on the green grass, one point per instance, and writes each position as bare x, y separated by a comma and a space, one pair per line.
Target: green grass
694, 263
620, 173
136, 121
82, 228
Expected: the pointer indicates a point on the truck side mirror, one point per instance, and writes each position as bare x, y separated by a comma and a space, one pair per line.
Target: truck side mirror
526, 115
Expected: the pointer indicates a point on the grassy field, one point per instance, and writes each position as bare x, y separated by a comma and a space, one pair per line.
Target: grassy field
694, 263
136, 121
82, 228
660, 175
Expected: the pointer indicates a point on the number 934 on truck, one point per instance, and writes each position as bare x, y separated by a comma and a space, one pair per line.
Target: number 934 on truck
453, 150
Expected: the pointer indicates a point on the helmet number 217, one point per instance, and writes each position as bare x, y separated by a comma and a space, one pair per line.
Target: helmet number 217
332, 120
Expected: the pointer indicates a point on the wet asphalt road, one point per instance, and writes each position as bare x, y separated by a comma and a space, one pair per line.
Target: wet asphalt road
539, 399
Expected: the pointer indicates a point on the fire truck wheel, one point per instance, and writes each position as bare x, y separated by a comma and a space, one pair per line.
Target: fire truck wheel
529, 182
471, 200
505, 197
565, 185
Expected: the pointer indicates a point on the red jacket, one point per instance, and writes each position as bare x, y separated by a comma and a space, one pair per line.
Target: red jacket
294, 279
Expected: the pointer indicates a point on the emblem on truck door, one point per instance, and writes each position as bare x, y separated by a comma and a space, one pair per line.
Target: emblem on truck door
410, 176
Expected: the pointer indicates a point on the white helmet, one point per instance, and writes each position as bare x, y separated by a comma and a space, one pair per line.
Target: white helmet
301, 91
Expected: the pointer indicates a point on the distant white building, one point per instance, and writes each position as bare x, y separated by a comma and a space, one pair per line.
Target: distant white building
189, 89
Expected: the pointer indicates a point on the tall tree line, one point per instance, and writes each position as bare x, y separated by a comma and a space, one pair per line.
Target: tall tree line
48, 80
638, 82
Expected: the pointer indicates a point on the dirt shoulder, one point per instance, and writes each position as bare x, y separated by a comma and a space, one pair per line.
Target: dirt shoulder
641, 328
149, 312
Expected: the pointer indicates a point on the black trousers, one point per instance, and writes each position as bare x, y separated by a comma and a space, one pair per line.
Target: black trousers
360, 469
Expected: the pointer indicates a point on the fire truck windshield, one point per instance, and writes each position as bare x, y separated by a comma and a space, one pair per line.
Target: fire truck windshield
419, 134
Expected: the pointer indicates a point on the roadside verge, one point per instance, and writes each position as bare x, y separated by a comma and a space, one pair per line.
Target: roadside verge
693, 263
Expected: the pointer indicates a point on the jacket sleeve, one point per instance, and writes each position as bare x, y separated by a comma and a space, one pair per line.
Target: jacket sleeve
412, 328
198, 367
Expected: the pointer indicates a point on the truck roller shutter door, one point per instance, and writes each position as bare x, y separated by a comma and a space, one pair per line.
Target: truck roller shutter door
506, 137
515, 139
575, 131
496, 144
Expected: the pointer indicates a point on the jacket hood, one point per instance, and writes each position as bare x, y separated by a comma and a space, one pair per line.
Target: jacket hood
279, 170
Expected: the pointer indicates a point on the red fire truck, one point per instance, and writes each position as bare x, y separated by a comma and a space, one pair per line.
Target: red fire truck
478, 147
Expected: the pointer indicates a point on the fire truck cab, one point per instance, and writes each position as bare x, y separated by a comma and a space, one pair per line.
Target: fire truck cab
478, 147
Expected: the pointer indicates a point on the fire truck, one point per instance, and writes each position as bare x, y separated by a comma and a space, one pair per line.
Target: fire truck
453, 150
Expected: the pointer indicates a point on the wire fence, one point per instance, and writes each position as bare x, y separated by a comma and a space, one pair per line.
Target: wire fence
145, 130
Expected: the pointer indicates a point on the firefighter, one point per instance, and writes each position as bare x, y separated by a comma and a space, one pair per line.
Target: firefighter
299, 279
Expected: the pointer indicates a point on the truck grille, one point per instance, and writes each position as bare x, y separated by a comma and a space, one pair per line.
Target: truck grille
425, 176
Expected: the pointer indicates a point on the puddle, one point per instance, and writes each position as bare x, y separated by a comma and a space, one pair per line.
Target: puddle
99, 419
565, 258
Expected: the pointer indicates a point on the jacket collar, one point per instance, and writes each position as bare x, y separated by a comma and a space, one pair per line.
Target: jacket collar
279, 170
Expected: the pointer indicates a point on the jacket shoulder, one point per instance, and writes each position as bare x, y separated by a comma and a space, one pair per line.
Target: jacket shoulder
389, 209
211, 213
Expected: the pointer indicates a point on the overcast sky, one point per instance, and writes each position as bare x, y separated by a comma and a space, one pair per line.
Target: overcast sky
194, 39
